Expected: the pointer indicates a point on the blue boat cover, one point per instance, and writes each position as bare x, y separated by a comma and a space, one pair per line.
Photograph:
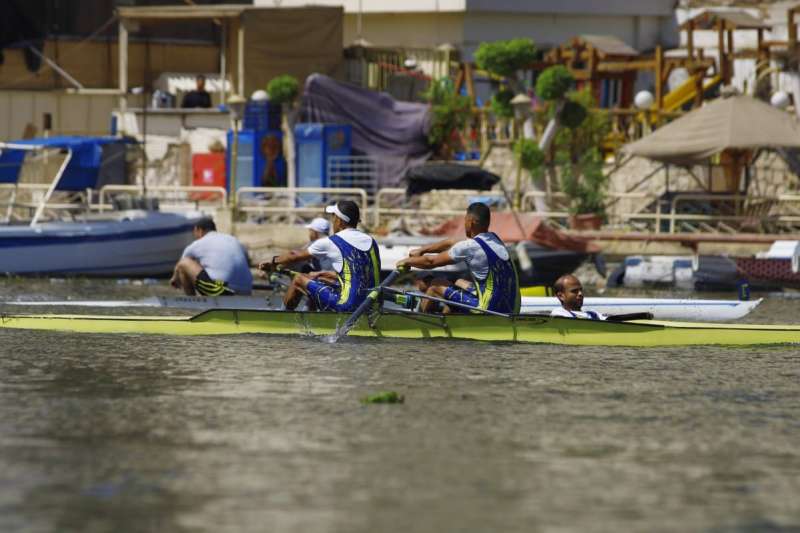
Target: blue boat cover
81, 172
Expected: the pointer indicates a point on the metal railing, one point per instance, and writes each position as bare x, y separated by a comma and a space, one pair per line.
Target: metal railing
362, 172
171, 198
639, 211
296, 202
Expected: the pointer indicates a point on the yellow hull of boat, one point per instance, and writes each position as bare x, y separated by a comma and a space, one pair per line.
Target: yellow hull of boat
526, 329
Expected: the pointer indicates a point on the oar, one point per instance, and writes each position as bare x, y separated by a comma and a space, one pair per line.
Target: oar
447, 302
365, 305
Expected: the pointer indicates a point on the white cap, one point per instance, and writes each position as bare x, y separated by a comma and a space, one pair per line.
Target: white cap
320, 225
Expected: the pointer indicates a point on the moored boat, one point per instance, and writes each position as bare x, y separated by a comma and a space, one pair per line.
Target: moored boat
411, 325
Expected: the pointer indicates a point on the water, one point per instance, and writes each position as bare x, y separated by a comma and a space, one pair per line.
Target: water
265, 433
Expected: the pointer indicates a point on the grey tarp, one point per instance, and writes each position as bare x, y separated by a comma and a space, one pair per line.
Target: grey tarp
395, 132
736, 122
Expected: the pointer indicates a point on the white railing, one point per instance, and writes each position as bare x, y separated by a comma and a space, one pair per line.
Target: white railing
34, 193
171, 198
727, 213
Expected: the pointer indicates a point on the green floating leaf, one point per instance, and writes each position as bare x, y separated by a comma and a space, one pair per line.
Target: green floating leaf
384, 397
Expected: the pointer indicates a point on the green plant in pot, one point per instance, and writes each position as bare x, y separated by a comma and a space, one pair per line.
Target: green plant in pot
577, 159
449, 114
284, 90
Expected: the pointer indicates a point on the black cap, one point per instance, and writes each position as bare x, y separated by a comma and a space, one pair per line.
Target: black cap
349, 209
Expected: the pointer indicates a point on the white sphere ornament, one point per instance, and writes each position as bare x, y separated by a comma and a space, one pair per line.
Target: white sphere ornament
259, 96
780, 100
643, 100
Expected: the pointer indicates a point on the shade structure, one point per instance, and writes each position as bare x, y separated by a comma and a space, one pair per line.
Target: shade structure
735, 123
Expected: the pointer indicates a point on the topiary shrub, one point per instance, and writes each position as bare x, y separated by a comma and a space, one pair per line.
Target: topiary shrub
505, 58
530, 157
283, 89
501, 103
572, 114
554, 82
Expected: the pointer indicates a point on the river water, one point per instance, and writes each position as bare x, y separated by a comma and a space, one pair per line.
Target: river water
267, 433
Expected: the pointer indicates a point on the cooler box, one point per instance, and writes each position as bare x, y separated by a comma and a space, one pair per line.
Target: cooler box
315, 143
208, 170
260, 161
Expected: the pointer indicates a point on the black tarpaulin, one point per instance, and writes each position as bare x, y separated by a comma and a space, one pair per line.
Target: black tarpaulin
424, 178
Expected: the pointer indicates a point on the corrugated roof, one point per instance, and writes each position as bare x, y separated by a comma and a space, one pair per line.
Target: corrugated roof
732, 20
609, 45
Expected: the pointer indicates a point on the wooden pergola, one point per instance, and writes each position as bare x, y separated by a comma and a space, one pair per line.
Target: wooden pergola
725, 23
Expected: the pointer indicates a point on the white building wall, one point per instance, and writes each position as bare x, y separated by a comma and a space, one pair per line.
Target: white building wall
641, 32
409, 30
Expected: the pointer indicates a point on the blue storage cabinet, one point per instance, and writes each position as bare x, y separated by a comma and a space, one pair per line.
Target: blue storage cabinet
255, 151
314, 144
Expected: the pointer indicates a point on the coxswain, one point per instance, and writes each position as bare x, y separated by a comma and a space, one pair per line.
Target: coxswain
569, 292
215, 264
353, 256
494, 285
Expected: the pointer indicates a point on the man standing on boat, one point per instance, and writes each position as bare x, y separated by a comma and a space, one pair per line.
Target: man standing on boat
353, 256
494, 284
569, 292
215, 264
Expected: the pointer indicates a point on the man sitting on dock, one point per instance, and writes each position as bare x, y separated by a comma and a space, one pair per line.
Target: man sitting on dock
215, 264
353, 256
495, 286
569, 292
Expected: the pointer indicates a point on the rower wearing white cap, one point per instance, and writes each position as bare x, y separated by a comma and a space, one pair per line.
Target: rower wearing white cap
319, 228
353, 255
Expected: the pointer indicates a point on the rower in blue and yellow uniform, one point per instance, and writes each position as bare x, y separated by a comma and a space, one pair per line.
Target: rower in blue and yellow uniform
494, 285
353, 255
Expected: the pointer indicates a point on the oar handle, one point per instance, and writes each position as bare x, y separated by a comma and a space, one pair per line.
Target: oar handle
371, 297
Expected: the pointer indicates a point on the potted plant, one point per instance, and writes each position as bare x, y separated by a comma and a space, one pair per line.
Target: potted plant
577, 161
283, 90
449, 114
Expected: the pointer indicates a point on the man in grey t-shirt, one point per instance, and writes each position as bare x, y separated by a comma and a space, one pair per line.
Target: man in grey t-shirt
494, 284
215, 264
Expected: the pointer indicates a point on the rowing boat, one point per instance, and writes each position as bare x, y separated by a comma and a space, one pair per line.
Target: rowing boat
660, 308
413, 325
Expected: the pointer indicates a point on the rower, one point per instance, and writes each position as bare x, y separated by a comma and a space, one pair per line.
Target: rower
319, 228
215, 264
494, 284
353, 256
569, 292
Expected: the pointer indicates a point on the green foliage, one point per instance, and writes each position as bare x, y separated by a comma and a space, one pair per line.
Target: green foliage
501, 103
576, 153
283, 89
449, 111
530, 157
572, 114
554, 82
505, 58
583, 181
